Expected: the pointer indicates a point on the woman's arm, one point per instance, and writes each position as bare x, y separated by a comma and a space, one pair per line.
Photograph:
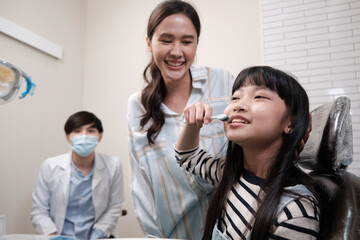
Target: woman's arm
141, 184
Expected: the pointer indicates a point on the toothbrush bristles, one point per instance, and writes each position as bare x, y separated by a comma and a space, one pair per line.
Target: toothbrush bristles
221, 117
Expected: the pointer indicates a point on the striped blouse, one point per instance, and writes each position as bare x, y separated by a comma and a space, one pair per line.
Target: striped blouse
299, 219
168, 201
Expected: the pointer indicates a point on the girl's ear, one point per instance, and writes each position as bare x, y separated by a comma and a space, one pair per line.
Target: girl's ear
288, 130
289, 126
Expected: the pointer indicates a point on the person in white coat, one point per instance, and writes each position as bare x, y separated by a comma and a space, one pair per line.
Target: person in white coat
79, 193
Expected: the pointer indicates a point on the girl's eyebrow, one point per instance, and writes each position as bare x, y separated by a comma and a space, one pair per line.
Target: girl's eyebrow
262, 87
255, 86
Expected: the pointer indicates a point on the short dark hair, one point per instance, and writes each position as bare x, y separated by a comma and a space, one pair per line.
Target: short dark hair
80, 119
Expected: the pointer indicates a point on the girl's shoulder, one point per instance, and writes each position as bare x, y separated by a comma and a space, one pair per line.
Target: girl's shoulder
299, 202
298, 215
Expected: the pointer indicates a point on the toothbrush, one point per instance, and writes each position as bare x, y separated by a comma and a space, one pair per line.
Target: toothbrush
222, 117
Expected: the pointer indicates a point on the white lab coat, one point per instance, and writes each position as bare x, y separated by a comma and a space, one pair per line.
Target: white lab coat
51, 193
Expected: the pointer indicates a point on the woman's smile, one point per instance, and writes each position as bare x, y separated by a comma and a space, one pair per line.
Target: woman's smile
173, 47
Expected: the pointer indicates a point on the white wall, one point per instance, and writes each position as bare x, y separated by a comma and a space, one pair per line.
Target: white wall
104, 56
31, 129
116, 55
319, 42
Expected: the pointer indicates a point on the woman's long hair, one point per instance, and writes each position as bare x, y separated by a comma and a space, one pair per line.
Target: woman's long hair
154, 92
283, 169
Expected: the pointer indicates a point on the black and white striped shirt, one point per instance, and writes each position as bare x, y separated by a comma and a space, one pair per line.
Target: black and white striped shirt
299, 219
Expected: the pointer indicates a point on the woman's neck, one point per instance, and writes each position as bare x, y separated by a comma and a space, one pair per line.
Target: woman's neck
84, 164
177, 95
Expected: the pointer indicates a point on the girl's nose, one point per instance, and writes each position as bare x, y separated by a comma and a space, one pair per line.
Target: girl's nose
239, 109
241, 106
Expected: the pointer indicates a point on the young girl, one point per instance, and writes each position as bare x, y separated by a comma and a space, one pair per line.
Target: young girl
260, 193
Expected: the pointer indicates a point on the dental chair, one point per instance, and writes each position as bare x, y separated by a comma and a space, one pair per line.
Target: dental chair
326, 157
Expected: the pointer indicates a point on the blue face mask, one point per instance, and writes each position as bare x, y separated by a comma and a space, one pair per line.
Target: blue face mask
84, 144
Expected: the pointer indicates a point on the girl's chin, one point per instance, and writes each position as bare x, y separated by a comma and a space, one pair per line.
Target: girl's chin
236, 139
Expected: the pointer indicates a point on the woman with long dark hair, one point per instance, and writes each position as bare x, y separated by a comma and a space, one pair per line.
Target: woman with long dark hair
260, 192
169, 202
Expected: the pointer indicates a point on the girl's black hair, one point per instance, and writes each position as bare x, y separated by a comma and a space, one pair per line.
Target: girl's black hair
284, 169
154, 92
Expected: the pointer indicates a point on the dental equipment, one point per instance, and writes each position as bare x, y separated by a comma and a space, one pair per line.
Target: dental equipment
10, 82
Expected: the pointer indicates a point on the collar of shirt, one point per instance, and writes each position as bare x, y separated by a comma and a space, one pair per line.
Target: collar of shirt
199, 77
78, 173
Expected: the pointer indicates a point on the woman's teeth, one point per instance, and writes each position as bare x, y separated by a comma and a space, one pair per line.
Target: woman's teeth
174, 64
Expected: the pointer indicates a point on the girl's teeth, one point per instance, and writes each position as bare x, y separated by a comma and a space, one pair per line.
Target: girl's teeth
238, 121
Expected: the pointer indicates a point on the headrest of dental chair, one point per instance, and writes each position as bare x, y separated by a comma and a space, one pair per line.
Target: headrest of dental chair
329, 147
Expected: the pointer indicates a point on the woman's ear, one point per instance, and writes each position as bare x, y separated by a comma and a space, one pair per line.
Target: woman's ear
148, 42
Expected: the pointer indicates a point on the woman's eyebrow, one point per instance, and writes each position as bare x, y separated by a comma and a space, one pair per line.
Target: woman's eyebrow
189, 36
168, 35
